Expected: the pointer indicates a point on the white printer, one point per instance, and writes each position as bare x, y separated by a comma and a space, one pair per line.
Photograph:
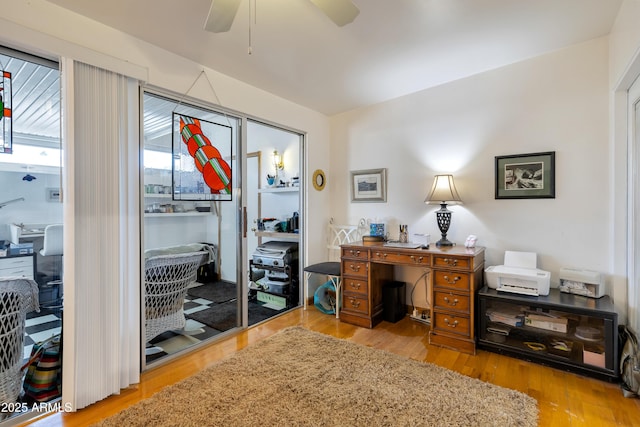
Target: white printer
518, 275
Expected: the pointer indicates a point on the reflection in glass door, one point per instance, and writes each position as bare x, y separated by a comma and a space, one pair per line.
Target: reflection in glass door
30, 177
191, 235
274, 209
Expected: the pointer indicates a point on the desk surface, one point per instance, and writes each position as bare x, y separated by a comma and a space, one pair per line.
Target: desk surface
555, 300
459, 250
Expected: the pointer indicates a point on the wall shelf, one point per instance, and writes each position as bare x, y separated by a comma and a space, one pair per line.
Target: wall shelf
190, 197
278, 235
279, 190
157, 196
175, 214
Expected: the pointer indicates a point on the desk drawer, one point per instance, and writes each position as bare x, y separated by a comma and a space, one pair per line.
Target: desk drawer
355, 286
23, 261
451, 279
354, 253
17, 267
17, 272
452, 262
354, 268
452, 324
451, 301
355, 304
400, 258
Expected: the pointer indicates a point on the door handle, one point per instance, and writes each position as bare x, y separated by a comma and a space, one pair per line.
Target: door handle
244, 221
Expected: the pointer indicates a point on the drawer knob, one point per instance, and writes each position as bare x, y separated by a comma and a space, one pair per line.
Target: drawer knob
417, 260
451, 261
453, 280
448, 301
355, 285
379, 255
354, 252
449, 323
354, 267
354, 302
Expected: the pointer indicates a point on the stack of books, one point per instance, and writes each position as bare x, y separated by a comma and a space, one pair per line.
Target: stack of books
372, 240
507, 316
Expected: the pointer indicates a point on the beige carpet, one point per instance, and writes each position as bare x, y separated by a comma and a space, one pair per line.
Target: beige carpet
298, 377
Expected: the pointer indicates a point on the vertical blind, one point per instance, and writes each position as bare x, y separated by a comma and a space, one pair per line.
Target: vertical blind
101, 335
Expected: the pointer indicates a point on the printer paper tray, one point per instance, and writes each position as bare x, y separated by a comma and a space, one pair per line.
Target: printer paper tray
518, 290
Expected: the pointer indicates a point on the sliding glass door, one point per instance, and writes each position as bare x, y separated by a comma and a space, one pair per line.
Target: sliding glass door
196, 160
30, 212
274, 210
191, 206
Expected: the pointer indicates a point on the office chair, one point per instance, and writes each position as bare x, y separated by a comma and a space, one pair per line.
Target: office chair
53, 247
18, 296
338, 235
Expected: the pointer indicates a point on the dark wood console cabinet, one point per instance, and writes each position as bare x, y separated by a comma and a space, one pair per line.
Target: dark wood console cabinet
589, 346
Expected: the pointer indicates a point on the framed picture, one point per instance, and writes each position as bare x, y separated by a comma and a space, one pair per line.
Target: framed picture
369, 185
526, 176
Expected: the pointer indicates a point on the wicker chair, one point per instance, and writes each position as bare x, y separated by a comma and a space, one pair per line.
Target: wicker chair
167, 278
18, 296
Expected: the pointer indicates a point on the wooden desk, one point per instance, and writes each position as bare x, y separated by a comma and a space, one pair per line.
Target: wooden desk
456, 275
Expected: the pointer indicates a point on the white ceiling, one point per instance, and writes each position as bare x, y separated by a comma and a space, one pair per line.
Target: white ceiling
393, 48
35, 99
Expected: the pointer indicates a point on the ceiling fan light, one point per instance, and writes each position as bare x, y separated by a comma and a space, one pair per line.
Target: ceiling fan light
342, 12
221, 15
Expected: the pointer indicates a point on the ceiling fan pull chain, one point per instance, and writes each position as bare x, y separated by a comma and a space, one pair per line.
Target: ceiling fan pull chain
250, 50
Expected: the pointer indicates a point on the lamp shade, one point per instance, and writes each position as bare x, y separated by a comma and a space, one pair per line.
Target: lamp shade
443, 191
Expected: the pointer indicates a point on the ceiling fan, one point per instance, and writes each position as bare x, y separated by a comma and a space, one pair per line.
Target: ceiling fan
223, 12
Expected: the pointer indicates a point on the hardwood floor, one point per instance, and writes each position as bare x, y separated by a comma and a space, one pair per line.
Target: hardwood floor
564, 399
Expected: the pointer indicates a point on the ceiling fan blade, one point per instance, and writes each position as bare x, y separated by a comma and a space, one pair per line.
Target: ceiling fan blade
341, 12
221, 15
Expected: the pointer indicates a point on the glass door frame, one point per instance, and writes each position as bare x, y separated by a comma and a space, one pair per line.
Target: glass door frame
237, 183
239, 191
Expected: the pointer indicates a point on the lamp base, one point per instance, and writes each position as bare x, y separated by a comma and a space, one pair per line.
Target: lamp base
444, 220
444, 242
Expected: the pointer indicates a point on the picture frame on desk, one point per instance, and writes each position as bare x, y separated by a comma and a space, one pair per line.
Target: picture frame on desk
526, 176
369, 185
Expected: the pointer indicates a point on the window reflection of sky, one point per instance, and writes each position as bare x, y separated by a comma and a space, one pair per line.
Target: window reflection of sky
33, 155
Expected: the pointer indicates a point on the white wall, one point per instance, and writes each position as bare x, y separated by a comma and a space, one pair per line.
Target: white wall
266, 139
624, 39
556, 102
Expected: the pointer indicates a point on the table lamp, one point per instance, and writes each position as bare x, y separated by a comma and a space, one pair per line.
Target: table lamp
443, 191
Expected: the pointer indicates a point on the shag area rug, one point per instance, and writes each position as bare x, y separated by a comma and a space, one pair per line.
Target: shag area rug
303, 378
